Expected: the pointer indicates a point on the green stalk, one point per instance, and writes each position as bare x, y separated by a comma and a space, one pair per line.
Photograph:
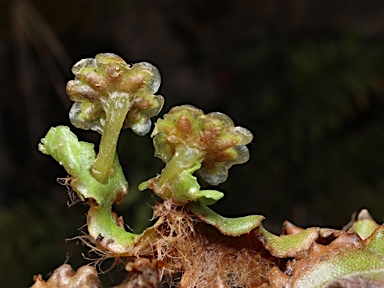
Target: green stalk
185, 158
116, 112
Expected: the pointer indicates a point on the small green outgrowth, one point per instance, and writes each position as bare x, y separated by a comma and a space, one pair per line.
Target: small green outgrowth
227, 226
187, 137
109, 95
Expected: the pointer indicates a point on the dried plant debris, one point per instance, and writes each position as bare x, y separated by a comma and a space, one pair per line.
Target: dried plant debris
203, 254
143, 273
313, 257
65, 276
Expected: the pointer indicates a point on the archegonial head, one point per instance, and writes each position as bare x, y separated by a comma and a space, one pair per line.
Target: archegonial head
106, 78
221, 143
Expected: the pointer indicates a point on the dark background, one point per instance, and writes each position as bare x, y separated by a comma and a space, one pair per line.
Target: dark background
306, 77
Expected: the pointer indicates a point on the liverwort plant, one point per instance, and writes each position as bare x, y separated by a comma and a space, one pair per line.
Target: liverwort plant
187, 136
110, 95
188, 140
188, 238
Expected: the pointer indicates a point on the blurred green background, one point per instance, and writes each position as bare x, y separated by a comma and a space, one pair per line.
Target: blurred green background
306, 77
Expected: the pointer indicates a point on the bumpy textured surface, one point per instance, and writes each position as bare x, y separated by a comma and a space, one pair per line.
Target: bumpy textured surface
107, 78
109, 95
214, 134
